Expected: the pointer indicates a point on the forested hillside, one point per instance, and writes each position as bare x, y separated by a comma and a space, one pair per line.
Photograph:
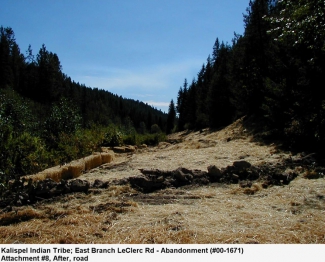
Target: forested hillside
46, 118
274, 73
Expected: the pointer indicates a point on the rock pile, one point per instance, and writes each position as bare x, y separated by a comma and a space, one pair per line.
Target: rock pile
241, 172
21, 192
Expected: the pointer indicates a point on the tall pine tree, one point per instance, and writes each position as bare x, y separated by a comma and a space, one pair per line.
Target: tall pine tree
171, 117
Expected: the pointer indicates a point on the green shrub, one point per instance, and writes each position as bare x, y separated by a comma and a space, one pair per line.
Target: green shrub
155, 129
152, 139
22, 155
64, 118
113, 137
132, 139
79, 144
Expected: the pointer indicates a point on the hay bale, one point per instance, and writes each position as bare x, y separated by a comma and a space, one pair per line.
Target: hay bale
107, 157
92, 161
129, 149
65, 174
76, 168
97, 160
119, 149
54, 173
37, 177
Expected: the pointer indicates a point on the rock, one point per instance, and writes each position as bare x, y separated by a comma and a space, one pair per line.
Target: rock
100, 184
242, 164
79, 185
174, 140
234, 178
151, 171
244, 184
214, 173
214, 170
252, 173
197, 174
266, 184
146, 184
44, 188
162, 145
313, 174
63, 188
119, 182
55, 192
181, 176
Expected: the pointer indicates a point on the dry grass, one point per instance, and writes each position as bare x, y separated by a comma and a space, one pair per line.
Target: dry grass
216, 213
248, 191
209, 214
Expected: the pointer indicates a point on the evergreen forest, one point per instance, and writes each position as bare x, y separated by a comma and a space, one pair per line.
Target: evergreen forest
273, 73
48, 119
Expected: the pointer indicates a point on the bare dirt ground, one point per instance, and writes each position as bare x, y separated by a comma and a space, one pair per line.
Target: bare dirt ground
212, 213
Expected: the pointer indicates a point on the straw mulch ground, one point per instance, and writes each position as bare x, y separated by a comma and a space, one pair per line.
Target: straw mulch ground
214, 213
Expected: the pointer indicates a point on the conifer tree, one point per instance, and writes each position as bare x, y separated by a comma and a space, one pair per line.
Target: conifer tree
180, 107
220, 111
191, 106
171, 117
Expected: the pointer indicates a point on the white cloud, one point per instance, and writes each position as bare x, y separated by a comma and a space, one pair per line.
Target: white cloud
142, 95
156, 77
157, 104
152, 83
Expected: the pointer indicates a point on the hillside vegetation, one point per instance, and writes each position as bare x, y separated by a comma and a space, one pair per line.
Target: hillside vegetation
113, 210
47, 119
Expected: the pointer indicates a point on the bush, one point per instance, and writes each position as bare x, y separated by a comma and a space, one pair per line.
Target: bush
77, 145
22, 155
132, 139
28, 154
6, 166
64, 118
152, 139
113, 137
155, 129
20, 152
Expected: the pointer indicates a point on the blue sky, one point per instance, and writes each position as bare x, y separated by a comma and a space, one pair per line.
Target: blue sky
139, 49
